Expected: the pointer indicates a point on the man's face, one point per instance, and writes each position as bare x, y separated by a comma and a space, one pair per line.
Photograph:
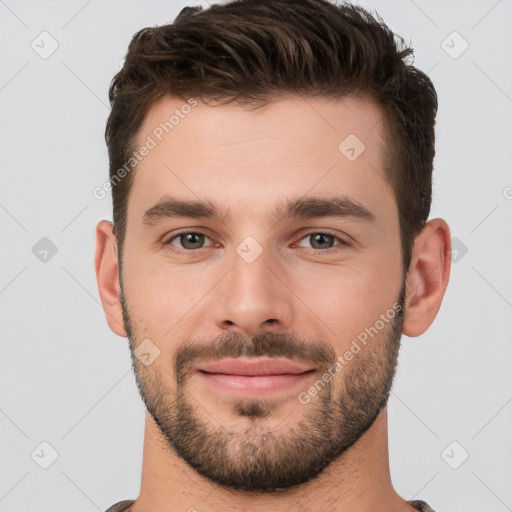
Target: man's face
320, 289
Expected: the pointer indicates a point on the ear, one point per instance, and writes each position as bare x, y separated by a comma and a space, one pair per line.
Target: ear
107, 276
427, 277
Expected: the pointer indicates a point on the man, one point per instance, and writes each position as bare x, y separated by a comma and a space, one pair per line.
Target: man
271, 170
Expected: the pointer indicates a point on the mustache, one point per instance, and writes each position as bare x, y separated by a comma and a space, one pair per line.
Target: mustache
266, 344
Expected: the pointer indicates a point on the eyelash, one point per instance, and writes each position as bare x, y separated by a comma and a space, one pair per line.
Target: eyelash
316, 252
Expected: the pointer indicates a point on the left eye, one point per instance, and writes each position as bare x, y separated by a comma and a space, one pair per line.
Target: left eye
320, 240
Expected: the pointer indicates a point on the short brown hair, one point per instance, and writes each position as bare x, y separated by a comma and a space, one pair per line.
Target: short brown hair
255, 51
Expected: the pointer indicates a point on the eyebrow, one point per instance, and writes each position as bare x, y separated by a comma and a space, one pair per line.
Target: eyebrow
300, 208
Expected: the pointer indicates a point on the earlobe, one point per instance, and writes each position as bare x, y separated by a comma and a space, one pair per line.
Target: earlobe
107, 276
427, 278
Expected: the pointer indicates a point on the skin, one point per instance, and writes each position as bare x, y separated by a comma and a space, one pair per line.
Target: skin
247, 162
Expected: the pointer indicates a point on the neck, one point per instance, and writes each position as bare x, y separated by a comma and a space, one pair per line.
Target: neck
359, 480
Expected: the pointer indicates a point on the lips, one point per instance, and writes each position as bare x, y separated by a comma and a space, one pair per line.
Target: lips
261, 366
243, 377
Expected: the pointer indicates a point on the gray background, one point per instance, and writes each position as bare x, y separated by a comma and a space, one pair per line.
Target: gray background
65, 378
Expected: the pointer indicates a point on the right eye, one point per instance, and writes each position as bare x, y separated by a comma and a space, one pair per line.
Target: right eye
189, 240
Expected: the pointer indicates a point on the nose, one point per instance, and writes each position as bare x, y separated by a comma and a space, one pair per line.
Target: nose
253, 297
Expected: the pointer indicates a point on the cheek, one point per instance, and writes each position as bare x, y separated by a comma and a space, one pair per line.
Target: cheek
350, 298
162, 296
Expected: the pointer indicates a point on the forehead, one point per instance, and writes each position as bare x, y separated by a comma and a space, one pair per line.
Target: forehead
255, 156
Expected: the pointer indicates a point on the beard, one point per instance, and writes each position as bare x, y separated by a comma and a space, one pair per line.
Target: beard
260, 459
